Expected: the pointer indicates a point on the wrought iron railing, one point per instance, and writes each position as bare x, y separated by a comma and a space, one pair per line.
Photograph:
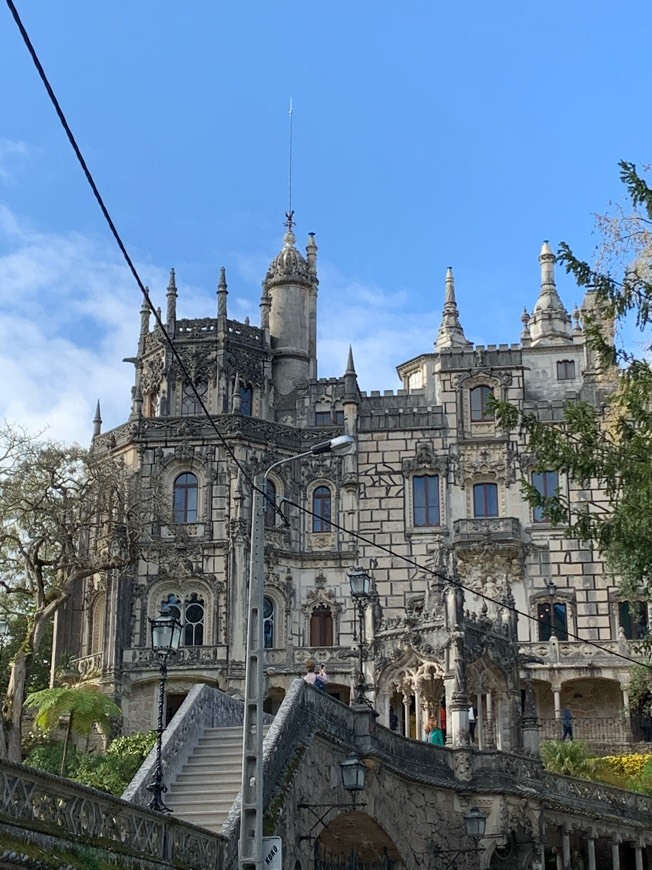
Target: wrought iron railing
602, 729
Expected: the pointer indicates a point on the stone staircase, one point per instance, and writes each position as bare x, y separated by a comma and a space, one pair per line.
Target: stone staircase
209, 782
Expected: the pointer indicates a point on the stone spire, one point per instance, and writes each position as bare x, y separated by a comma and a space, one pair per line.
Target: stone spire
550, 322
351, 391
97, 420
451, 333
172, 300
222, 293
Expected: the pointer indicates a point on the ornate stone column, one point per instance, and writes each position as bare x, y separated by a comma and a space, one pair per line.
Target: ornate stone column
628, 737
530, 731
458, 713
406, 714
490, 725
419, 726
638, 852
590, 851
565, 849
615, 852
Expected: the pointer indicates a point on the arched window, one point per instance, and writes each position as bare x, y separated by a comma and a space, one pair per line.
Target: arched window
246, 401
479, 404
270, 504
321, 626
186, 491
98, 614
565, 370
190, 406
559, 621
269, 612
191, 614
321, 509
485, 500
193, 630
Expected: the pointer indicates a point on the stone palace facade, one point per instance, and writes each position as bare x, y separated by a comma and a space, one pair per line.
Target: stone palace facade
432, 491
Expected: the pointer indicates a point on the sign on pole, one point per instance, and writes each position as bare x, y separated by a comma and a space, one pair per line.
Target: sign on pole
272, 853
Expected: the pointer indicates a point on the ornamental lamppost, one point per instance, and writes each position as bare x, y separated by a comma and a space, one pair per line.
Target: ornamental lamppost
251, 791
354, 774
166, 636
360, 583
475, 823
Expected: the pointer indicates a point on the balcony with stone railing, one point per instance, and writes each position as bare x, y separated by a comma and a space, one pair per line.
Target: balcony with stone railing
474, 529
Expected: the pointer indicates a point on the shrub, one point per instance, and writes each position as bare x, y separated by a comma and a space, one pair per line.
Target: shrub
109, 771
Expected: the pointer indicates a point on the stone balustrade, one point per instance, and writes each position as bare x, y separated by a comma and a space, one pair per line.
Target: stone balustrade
43, 806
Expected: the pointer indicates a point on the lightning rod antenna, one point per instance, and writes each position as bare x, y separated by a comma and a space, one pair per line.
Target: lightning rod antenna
290, 213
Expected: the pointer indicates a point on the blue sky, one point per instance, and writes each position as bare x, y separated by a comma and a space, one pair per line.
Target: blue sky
425, 135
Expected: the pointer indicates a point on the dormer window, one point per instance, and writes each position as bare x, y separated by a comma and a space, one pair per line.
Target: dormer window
566, 370
480, 411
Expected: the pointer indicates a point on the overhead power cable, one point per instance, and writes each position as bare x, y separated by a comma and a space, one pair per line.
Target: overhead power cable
227, 447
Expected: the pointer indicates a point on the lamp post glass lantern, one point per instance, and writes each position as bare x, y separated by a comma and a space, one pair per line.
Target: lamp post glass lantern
476, 824
360, 583
166, 637
353, 775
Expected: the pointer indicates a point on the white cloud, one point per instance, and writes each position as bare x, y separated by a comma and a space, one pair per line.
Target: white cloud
9, 150
375, 322
69, 314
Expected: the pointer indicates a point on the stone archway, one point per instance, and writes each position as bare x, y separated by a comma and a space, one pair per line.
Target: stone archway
354, 840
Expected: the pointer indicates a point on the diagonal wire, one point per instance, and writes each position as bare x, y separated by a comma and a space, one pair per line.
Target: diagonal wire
200, 401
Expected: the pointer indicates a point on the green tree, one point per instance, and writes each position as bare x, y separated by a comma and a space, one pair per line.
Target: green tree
65, 515
85, 708
570, 757
608, 444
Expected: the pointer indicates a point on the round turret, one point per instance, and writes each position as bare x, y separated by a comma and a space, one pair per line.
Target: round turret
289, 266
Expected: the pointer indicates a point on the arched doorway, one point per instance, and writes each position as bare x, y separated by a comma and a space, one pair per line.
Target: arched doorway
355, 841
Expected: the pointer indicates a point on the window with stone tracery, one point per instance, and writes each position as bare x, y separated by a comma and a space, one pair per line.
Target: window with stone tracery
269, 614
190, 404
98, 613
191, 612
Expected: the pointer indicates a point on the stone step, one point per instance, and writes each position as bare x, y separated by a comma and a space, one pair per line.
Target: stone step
209, 781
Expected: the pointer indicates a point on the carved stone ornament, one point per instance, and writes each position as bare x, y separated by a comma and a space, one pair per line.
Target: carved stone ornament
476, 460
198, 361
152, 373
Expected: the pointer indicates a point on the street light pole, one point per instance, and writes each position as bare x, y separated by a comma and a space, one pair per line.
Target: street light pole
360, 590
166, 636
251, 791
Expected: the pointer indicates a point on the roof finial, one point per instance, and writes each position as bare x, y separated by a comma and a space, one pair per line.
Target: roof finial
289, 211
97, 420
451, 333
221, 293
